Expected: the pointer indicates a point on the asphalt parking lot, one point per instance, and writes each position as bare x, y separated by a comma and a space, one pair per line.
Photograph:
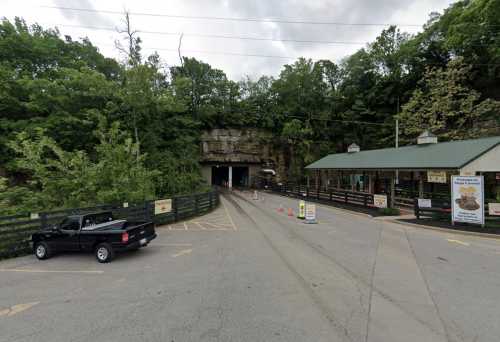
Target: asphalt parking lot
247, 272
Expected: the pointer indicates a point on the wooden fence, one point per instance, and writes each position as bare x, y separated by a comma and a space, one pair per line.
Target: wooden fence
327, 195
16, 230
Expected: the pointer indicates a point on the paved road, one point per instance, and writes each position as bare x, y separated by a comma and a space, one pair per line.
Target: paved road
247, 272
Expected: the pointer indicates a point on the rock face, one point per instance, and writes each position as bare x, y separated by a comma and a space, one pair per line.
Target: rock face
253, 147
236, 146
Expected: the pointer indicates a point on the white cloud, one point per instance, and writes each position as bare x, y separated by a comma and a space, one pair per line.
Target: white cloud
361, 11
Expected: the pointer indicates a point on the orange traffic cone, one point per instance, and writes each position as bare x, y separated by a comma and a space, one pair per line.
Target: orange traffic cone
290, 212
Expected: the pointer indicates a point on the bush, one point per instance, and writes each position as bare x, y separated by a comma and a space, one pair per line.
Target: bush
113, 173
389, 211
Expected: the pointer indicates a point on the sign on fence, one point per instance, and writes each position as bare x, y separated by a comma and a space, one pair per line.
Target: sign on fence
424, 203
494, 209
163, 206
34, 216
380, 201
467, 196
310, 213
436, 176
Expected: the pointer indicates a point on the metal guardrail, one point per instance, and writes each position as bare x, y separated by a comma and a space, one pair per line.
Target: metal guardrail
16, 230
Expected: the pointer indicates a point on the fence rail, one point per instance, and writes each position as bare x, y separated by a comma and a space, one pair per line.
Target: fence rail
441, 209
328, 195
16, 230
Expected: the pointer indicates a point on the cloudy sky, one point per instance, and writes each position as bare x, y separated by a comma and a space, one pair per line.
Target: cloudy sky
342, 26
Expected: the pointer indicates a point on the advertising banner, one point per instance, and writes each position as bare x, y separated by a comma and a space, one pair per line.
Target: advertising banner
467, 196
436, 176
380, 201
163, 206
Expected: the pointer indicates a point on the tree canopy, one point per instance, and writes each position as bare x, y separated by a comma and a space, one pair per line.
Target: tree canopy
55, 92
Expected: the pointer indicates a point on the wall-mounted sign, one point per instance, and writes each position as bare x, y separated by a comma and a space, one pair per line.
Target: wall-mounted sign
424, 203
163, 206
380, 201
494, 209
310, 213
467, 196
436, 176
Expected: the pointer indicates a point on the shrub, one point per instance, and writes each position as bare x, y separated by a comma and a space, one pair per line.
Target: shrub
389, 211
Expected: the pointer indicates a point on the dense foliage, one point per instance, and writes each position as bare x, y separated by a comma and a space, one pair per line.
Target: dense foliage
77, 127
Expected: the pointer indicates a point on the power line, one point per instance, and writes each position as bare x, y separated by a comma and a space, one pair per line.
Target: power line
218, 36
238, 19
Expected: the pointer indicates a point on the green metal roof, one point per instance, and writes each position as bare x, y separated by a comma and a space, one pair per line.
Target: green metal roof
445, 155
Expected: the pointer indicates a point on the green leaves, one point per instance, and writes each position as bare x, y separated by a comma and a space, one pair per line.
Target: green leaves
60, 179
445, 104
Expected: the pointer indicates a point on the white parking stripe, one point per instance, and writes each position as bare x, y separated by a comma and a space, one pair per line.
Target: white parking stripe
47, 271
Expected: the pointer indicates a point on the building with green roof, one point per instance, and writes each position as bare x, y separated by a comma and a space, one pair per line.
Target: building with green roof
419, 170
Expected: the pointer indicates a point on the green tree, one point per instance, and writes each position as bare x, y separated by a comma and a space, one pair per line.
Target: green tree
445, 104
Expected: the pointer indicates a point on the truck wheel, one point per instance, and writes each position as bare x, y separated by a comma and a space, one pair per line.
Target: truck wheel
42, 251
104, 252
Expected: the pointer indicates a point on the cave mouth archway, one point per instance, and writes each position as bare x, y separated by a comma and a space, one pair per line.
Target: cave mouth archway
220, 175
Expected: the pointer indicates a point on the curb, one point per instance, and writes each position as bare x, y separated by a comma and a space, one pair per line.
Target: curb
446, 230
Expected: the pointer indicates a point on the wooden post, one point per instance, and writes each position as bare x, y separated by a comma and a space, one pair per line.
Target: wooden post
420, 185
393, 191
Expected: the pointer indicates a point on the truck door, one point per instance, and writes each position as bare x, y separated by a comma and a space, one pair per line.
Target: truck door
70, 229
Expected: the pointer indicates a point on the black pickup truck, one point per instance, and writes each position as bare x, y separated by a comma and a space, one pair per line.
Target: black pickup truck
98, 232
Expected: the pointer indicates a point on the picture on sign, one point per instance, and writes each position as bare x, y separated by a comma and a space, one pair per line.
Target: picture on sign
436, 176
380, 201
163, 206
494, 209
424, 203
467, 195
310, 213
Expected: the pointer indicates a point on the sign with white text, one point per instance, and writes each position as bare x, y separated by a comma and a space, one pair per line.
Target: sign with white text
467, 196
163, 206
424, 203
380, 201
310, 213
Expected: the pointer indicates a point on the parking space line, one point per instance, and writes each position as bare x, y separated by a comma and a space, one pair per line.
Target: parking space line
458, 242
15, 309
229, 216
48, 271
173, 244
184, 251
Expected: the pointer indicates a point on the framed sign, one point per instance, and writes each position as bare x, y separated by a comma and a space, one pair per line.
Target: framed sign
163, 206
310, 213
467, 196
494, 209
424, 203
436, 176
380, 201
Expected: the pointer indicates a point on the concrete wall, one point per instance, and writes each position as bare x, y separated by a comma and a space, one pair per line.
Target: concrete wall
488, 162
206, 172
